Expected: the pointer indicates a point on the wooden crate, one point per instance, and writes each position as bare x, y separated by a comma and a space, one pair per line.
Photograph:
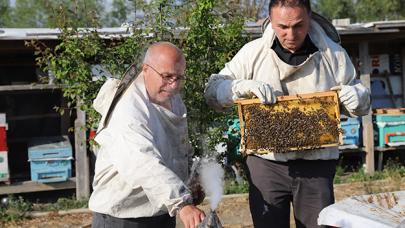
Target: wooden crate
293, 123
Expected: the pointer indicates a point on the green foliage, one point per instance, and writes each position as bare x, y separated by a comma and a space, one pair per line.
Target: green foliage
27, 13
393, 171
232, 187
16, 209
371, 10
66, 204
361, 10
71, 61
47, 13
4, 12
118, 15
211, 41
336, 9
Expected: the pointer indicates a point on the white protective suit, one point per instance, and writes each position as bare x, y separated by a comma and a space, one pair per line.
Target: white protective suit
330, 66
143, 155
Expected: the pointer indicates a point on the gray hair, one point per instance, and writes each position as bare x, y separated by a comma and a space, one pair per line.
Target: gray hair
152, 47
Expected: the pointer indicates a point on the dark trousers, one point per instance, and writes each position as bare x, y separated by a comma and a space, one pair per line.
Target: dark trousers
107, 221
273, 186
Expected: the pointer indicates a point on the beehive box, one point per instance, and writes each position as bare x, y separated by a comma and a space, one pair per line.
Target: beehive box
390, 128
50, 159
293, 123
351, 130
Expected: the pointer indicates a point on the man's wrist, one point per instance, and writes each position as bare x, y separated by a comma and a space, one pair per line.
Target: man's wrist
188, 201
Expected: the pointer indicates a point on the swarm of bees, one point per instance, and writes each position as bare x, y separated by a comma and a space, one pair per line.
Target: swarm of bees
284, 127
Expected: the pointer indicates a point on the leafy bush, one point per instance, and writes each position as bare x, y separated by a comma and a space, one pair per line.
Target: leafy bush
232, 187
66, 204
15, 209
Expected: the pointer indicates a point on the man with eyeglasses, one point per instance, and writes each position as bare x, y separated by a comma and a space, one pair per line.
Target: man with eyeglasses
144, 152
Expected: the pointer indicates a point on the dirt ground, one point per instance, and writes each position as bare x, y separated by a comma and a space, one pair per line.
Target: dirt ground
233, 209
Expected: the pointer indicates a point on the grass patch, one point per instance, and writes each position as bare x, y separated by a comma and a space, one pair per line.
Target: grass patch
232, 187
15, 209
62, 204
393, 170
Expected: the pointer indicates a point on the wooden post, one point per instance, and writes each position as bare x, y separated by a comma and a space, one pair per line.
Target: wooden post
368, 134
82, 159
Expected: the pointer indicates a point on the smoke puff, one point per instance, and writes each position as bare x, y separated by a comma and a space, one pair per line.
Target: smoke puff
212, 176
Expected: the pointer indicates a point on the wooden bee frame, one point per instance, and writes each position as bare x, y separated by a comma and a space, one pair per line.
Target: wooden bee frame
306, 105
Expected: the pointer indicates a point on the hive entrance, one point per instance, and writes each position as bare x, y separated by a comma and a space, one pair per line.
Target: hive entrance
294, 123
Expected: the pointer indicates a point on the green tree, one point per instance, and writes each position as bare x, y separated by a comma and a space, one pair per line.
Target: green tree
74, 13
252, 9
4, 12
26, 14
46, 13
119, 13
333, 9
211, 41
373, 10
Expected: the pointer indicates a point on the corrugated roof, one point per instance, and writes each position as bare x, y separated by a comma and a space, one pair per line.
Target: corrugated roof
254, 29
52, 34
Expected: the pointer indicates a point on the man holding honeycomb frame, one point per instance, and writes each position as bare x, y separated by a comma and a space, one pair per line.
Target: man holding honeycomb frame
298, 53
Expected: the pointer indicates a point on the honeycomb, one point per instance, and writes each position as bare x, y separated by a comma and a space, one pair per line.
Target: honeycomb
292, 124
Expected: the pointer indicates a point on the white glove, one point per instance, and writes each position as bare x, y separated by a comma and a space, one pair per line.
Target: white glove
248, 88
349, 96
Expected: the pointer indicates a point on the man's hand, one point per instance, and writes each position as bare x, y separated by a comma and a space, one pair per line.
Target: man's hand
349, 96
191, 216
247, 88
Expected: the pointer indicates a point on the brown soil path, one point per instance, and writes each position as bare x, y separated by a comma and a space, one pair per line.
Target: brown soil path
233, 209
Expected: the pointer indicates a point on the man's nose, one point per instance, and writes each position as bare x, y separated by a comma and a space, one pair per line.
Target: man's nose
291, 33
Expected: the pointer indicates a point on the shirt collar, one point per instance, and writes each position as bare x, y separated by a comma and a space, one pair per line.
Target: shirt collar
307, 46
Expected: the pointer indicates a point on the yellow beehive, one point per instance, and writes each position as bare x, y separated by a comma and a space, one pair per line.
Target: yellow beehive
293, 123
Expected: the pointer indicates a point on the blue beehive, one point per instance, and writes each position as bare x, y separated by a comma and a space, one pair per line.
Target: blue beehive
233, 134
391, 129
50, 159
351, 130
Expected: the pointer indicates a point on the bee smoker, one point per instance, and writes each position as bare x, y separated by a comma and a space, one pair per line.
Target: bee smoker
211, 221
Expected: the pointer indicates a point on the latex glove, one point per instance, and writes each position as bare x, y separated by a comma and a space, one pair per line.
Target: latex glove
248, 88
349, 96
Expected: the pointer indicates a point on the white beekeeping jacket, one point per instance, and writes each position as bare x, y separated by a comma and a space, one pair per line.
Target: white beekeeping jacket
328, 67
142, 160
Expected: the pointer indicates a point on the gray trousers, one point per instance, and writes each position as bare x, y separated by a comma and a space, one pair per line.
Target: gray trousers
274, 186
108, 221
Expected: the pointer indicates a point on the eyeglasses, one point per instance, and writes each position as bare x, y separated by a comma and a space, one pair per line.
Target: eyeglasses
167, 77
